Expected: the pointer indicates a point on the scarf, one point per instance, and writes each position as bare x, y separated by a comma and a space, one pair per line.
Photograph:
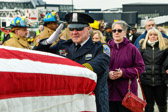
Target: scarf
152, 43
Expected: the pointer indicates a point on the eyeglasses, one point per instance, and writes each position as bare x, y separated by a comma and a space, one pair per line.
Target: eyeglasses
119, 31
77, 29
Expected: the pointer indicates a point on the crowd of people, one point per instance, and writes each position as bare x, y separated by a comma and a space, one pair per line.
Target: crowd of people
112, 52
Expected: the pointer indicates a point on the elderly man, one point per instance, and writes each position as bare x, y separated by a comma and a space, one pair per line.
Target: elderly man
80, 48
149, 24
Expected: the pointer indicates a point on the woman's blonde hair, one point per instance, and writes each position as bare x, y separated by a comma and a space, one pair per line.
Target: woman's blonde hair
102, 39
162, 42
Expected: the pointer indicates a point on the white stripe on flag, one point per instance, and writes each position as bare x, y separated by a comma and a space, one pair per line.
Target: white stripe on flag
28, 66
66, 103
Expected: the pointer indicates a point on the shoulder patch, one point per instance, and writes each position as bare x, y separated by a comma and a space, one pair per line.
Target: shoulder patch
106, 49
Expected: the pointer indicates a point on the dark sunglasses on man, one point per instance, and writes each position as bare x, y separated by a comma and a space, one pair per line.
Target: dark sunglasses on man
119, 31
77, 29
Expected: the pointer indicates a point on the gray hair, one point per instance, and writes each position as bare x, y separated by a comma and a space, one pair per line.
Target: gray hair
123, 24
149, 20
41, 26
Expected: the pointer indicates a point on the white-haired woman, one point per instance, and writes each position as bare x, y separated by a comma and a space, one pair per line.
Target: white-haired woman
125, 57
154, 52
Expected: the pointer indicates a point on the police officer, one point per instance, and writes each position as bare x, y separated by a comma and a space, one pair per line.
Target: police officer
51, 20
19, 30
80, 48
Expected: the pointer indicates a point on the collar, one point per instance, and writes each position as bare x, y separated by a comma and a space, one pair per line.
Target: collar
84, 42
17, 36
119, 42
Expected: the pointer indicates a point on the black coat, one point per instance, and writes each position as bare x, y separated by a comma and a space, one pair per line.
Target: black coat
107, 35
153, 58
165, 67
135, 36
96, 54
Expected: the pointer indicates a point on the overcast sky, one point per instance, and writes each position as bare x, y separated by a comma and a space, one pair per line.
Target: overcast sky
102, 4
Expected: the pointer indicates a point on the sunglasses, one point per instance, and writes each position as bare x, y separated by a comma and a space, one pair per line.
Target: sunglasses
119, 31
77, 29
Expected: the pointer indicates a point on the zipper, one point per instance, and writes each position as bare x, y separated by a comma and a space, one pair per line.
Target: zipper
153, 67
117, 46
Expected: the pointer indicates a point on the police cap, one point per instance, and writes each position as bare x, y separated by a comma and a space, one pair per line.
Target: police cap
78, 20
108, 25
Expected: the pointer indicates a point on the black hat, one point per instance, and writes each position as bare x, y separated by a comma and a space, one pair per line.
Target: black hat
108, 25
76, 20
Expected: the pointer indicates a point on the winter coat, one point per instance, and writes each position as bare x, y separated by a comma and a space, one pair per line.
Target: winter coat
126, 57
164, 68
18, 42
46, 33
108, 36
153, 58
143, 36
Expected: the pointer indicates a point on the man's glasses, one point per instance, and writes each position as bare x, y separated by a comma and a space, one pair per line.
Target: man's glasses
119, 31
77, 29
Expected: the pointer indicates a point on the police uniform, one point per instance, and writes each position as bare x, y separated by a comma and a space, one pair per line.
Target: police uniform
93, 55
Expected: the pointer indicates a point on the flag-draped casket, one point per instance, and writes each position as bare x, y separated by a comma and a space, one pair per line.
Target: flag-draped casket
34, 81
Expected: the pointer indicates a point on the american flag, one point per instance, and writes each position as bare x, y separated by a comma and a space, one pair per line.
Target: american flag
34, 81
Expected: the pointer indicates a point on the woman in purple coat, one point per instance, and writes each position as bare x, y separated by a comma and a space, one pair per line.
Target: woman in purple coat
125, 57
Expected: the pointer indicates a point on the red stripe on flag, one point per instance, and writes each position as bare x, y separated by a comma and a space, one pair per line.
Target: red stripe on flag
15, 54
31, 84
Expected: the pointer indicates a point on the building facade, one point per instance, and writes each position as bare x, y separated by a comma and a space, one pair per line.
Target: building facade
147, 9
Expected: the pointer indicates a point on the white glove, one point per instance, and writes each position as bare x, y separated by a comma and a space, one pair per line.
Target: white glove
55, 35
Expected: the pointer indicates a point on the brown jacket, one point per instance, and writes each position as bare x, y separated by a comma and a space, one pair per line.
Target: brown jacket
46, 33
18, 42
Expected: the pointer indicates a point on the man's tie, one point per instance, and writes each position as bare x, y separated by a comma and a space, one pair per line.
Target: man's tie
77, 47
